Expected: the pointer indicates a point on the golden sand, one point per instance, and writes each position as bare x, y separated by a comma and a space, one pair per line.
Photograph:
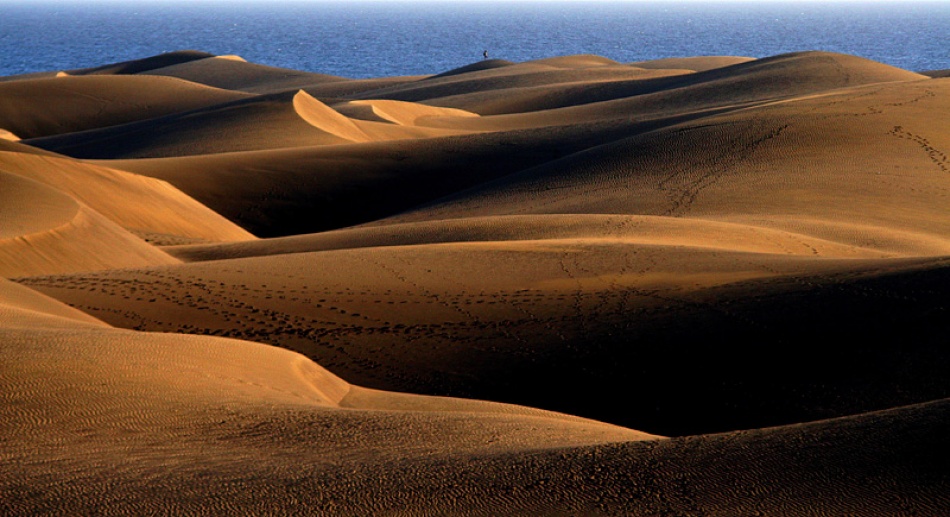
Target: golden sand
235, 289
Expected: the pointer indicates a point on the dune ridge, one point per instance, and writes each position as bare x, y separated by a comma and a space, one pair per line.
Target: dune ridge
51, 106
59, 234
702, 285
136, 203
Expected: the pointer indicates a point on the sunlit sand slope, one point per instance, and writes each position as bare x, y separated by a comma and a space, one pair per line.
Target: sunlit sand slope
696, 64
129, 423
284, 120
858, 165
53, 106
43, 231
137, 203
234, 73
447, 267
103, 410
697, 329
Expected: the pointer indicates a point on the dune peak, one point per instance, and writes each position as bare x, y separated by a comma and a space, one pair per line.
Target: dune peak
325, 118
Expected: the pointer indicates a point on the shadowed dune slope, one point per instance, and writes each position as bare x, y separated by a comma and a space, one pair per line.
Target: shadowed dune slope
13, 146
779, 166
285, 120
510, 321
513, 77
737, 155
232, 73
357, 86
762, 80
319, 188
79, 398
44, 231
780, 76
262, 122
879, 464
43, 107
137, 66
137, 203
587, 89
517, 265
486, 64
696, 64
645, 230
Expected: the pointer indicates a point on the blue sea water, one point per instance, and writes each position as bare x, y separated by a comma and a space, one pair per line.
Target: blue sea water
367, 38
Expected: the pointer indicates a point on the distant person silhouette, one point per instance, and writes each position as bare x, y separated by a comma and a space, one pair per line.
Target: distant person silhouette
485, 53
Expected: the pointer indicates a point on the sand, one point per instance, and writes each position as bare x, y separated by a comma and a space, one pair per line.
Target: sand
693, 286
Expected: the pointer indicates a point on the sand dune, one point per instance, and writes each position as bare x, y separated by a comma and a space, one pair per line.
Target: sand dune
761, 164
24, 308
667, 92
138, 66
396, 112
292, 119
696, 64
511, 320
641, 230
53, 106
485, 64
262, 122
45, 231
237, 74
82, 398
139, 204
322, 117
163, 414
506, 78
592, 254
319, 188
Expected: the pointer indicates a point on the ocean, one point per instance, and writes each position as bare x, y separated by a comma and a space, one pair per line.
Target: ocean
366, 38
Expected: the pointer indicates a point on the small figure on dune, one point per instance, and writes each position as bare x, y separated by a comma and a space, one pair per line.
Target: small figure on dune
485, 54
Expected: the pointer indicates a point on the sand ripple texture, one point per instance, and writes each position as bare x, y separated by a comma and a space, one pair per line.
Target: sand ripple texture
567, 286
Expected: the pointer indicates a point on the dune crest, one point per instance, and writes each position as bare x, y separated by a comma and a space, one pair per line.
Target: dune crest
324, 118
490, 291
134, 202
52, 106
21, 307
68, 236
239, 75
397, 112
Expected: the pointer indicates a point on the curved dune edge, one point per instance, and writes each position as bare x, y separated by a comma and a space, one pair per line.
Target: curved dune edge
8, 135
28, 207
731, 244
333, 122
696, 64
22, 307
132, 201
642, 230
398, 112
236, 74
68, 237
129, 422
575, 61
65, 104
170, 403
324, 118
